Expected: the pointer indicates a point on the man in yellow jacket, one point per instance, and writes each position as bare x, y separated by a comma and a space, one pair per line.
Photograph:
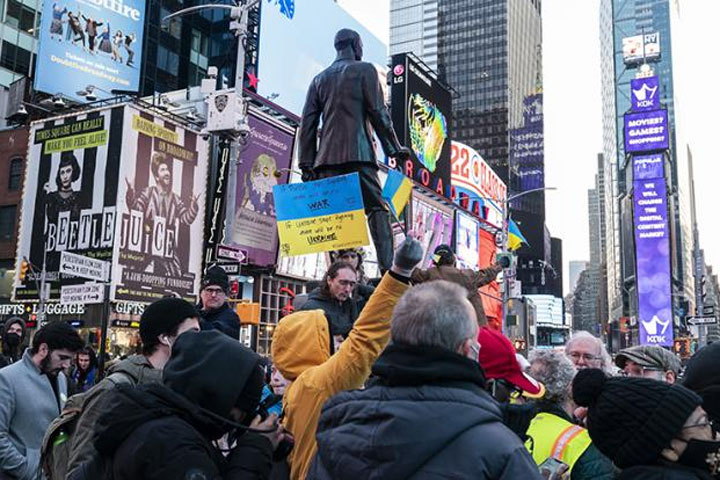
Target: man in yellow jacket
302, 352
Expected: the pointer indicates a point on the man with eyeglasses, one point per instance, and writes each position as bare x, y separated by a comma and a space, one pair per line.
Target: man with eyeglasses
215, 312
587, 351
649, 361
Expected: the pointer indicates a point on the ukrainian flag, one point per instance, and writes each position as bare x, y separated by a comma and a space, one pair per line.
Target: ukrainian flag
396, 191
515, 237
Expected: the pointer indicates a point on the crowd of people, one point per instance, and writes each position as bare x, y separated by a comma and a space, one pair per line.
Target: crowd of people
400, 378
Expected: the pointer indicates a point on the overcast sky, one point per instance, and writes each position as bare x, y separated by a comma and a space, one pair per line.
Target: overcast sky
573, 121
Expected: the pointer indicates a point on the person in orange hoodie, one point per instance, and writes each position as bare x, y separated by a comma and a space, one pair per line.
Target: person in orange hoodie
304, 353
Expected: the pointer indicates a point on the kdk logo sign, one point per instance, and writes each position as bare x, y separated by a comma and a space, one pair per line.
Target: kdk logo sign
645, 93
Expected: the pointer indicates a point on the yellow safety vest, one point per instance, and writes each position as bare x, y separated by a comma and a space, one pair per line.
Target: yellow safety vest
552, 436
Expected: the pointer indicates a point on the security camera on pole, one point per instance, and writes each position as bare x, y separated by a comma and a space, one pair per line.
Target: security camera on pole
226, 108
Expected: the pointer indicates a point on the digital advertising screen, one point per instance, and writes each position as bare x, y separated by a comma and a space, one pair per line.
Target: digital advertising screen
296, 43
646, 131
90, 43
645, 93
467, 249
652, 252
422, 116
475, 185
640, 48
432, 224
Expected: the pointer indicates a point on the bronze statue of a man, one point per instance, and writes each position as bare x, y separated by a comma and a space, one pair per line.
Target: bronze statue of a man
349, 98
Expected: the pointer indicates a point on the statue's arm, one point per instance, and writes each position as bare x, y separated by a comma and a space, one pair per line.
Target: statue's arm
309, 128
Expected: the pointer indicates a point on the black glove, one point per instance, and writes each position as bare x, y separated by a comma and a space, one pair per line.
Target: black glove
308, 175
407, 256
402, 154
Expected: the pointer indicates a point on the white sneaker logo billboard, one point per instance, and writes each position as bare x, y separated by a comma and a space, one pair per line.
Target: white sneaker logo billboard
645, 94
651, 328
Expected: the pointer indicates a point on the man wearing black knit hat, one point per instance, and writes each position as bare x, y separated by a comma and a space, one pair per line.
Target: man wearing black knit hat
702, 376
215, 311
650, 429
211, 386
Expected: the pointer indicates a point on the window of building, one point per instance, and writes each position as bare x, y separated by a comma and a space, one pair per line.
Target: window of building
15, 176
15, 58
168, 61
20, 16
173, 27
7, 223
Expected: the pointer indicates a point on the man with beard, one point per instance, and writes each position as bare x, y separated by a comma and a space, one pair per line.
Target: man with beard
160, 201
33, 392
65, 198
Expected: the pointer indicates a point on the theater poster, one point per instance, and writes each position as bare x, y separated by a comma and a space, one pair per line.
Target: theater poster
161, 205
69, 198
263, 162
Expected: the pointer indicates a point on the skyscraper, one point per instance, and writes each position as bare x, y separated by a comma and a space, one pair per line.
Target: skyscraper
490, 53
620, 21
19, 27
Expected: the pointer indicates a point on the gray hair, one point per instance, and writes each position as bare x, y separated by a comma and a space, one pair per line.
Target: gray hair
555, 370
434, 314
605, 361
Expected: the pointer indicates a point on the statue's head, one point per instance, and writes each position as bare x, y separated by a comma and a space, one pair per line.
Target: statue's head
347, 38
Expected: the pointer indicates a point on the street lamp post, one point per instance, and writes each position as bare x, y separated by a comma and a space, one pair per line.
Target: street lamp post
506, 235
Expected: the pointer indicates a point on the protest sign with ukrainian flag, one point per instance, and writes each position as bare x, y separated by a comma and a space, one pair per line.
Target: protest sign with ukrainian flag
320, 216
396, 191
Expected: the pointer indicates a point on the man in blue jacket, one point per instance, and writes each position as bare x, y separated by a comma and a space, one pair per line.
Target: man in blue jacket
33, 391
215, 312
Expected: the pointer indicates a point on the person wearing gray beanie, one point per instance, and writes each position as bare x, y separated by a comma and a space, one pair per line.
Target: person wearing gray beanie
650, 429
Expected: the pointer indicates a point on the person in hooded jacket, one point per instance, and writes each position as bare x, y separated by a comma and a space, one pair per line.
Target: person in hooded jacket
304, 353
651, 429
166, 431
13, 336
160, 324
702, 376
425, 413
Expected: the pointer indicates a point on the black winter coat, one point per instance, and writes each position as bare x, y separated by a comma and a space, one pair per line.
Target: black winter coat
224, 319
426, 415
153, 433
341, 316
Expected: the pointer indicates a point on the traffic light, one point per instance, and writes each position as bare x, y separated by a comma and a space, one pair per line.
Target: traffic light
506, 259
519, 344
681, 347
24, 265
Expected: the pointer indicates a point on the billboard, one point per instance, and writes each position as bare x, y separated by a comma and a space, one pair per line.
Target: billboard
268, 149
646, 167
161, 205
432, 224
641, 48
646, 131
475, 185
90, 42
527, 154
422, 116
69, 200
645, 93
467, 250
296, 43
652, 253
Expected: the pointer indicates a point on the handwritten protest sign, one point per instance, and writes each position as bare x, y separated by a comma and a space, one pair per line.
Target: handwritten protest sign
320, 216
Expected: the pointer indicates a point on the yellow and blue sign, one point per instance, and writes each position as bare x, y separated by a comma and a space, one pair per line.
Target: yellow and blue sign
396, 191
320, 216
